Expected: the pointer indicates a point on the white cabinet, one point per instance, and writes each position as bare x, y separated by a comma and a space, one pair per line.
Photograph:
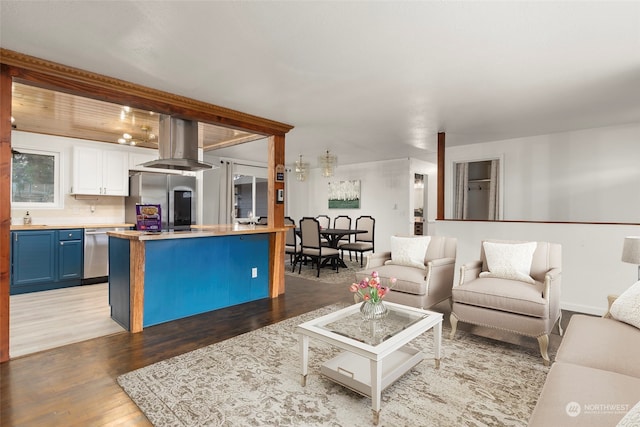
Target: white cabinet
138, 158
100, 172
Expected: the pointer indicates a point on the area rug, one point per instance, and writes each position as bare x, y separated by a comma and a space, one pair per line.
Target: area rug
327, 275
254, 380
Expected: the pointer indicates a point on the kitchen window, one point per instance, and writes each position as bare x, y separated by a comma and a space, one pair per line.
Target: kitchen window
35, 179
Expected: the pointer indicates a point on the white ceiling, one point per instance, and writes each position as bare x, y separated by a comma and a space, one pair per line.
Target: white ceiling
366, 80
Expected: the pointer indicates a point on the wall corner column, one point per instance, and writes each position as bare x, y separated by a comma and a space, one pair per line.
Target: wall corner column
441, 153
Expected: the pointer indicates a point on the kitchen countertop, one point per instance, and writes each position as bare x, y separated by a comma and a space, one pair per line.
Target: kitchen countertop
198, 231
67, 226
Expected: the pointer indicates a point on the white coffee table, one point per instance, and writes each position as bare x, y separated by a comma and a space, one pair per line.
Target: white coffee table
383, 343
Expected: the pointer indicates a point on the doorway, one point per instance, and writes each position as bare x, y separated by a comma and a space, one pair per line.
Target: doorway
477, 190
419, 204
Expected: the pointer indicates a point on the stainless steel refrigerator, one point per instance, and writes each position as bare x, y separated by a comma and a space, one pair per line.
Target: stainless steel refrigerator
176, 195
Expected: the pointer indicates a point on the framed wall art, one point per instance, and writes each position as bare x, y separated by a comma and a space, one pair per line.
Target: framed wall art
344, 194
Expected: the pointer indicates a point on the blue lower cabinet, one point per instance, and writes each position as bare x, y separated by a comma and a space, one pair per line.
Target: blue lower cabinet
33, 258
46, 259
119, 285
245, 287
70, 260
184, 277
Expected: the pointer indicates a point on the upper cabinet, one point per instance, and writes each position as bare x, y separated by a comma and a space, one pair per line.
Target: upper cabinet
100, 172
138, 158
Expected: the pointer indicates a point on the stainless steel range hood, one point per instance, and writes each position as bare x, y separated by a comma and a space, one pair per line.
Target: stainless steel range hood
177, 145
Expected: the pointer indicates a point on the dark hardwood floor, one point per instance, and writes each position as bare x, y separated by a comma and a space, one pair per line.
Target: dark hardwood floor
75, 385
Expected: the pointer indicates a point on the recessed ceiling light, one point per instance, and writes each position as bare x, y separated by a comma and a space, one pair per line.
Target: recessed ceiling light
126, 136
122, 141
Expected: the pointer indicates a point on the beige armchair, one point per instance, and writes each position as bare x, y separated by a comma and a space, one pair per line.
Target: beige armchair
420, 287
529, 309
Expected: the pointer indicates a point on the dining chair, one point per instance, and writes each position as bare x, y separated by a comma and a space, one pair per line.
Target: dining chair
312, 247
325, 222
292, 246
363, 242
342, 222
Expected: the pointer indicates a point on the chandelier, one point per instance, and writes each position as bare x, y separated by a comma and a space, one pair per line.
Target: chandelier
301, 169
327, 163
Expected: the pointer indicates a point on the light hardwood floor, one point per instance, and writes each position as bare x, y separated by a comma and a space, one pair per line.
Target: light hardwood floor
49, 319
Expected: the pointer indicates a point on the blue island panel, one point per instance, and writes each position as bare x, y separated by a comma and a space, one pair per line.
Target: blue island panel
184, 277
119, 285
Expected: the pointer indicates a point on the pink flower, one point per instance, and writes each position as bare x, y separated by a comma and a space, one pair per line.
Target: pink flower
371, 289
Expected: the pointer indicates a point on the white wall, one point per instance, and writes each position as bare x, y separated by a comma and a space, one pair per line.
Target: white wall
108, 209
591, 265
81, 209
589, 175
386, 195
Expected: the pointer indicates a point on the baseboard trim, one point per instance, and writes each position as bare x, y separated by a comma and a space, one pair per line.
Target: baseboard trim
586, 309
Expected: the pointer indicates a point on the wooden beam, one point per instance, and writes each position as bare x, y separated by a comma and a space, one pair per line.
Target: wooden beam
275, 213
136, 285
5, 208
275, 210
55, 76
441, 149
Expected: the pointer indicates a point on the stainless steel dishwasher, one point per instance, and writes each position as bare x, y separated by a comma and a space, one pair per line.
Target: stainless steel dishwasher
96, 255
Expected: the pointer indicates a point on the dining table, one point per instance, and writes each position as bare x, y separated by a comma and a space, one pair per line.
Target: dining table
333, 236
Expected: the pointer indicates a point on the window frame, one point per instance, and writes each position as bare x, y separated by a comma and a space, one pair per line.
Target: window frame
57, 180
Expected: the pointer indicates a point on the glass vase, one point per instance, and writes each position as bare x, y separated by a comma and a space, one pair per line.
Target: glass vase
373, 310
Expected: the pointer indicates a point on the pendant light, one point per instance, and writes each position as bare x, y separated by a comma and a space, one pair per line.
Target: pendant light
328, 163
301, 168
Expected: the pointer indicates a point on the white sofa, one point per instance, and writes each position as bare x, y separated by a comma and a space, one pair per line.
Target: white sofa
595, 380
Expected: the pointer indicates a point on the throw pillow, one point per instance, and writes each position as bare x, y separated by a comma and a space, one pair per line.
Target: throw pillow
626, 308
409, 251
509, 260
631, 418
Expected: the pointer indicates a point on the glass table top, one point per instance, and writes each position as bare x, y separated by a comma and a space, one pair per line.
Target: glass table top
373, 332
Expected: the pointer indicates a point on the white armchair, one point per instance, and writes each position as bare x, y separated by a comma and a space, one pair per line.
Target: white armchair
420, 287
498, 300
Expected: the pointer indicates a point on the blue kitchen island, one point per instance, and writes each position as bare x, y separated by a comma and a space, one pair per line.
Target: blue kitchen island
159, 277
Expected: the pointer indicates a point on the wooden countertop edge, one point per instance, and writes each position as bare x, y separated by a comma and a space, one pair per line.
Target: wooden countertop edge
198, 231
67, 226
